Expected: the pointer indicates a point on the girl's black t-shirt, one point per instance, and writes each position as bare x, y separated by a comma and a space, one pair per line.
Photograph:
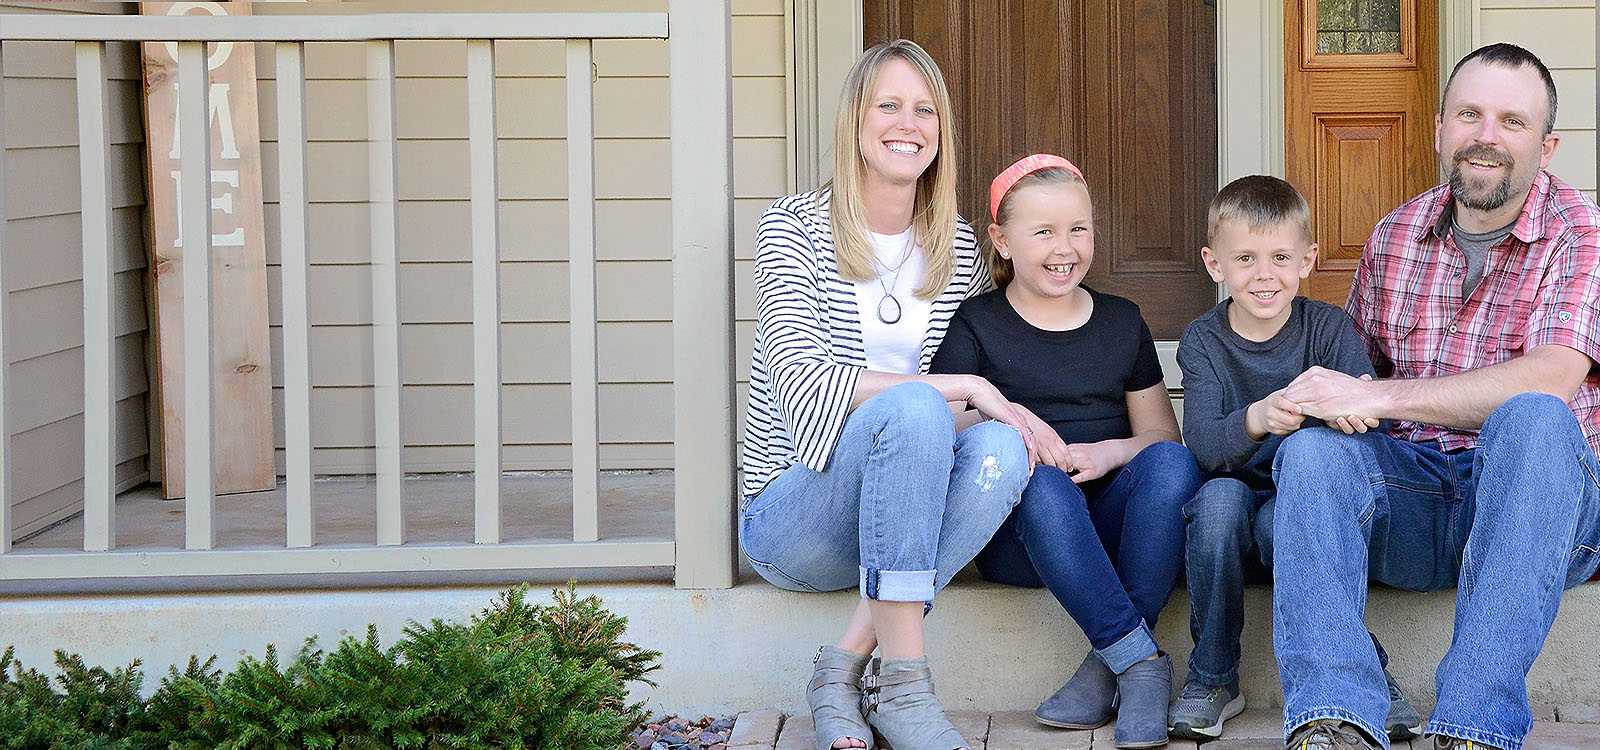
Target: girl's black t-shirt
1075, 380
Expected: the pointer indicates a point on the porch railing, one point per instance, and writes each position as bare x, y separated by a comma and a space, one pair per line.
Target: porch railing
701, 550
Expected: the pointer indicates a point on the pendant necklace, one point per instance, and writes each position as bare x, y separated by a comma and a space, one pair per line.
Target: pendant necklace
888, 307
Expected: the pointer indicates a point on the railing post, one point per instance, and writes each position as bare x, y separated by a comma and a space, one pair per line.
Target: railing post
5, 299
702, 291
581, 299
301, 526
94, 163
385, 289
195, 215
485, 233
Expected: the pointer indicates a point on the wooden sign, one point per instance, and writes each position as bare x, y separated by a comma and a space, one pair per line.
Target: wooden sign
242, 372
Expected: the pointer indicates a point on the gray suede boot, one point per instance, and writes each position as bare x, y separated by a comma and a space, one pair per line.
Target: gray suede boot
1142, 694
834, 695
898, 701
1085, 702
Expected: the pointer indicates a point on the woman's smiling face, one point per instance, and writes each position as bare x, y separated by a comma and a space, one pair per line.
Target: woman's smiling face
899, 134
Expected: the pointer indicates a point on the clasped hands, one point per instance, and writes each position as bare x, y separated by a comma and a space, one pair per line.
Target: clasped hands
1341, 401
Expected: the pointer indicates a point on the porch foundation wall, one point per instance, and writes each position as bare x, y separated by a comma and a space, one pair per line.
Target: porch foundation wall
993, 648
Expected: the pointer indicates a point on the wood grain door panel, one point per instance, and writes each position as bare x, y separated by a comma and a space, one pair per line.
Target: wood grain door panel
1124, 88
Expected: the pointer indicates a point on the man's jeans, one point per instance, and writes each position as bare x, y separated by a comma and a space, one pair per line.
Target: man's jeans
904, 504
1227, 545
1110, 551
1510, 524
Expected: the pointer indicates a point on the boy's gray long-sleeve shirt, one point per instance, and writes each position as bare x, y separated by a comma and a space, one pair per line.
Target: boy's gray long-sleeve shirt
1223, 373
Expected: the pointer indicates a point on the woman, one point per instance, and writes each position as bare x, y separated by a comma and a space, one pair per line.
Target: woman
855, 470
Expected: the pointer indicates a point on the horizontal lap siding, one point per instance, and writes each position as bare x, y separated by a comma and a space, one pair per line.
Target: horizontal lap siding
1562, 34
44, 273
633, 235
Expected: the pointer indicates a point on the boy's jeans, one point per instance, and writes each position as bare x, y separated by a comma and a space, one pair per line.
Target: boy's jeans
1110, 550
1510, 524
904, 504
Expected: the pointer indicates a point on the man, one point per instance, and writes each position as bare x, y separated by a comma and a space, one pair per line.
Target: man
1478, 300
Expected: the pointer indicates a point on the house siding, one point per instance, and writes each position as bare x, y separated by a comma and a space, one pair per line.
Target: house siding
44, 272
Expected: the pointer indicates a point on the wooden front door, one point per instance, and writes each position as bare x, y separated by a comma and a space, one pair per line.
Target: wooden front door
1124, 88
1361, 93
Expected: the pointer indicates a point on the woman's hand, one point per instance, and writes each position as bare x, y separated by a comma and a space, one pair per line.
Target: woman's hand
1090, 461
1051, 448
980, 394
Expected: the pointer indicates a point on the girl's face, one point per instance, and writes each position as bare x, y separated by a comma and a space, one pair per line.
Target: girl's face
899, 133
1048, 237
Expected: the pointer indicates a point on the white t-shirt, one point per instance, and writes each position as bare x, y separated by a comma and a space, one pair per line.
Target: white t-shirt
894, 347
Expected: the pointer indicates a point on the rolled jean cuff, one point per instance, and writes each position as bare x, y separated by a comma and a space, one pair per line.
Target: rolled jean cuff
897, 585
1463, 732
1292, 723
1129, 650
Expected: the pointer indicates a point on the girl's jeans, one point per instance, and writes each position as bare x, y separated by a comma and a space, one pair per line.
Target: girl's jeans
904, 503
1509, 524
1111, 556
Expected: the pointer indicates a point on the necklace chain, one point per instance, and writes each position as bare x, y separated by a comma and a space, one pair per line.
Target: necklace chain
889, 310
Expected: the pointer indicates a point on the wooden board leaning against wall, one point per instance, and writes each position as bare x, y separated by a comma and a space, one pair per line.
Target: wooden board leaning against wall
241, 357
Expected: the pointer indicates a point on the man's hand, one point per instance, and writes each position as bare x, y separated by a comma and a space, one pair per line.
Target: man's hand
1344, 402
1090, 461
1273, 415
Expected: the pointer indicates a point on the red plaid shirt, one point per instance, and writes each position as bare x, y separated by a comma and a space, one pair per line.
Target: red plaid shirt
1541, 285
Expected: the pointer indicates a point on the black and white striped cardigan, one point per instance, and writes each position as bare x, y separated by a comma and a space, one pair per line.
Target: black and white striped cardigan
808, 352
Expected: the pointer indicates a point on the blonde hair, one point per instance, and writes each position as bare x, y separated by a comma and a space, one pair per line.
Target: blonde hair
933, 214
1000, 268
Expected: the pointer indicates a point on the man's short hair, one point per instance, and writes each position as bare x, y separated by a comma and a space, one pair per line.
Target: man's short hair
1261, 202
1509, 55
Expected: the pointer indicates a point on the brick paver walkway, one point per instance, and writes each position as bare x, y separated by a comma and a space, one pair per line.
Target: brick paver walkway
1256, 729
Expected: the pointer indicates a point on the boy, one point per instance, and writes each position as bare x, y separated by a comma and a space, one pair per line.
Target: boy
1235, 360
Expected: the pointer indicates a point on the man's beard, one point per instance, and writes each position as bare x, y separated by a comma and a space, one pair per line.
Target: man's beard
1481, 199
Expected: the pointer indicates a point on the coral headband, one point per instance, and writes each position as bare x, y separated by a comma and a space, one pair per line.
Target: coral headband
1022, 168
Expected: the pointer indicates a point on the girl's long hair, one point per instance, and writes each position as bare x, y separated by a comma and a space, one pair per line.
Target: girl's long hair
933, 215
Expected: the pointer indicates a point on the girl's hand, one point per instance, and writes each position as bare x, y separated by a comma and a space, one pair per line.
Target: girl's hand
1090, 461
984, 397
1052, 449
1275, 415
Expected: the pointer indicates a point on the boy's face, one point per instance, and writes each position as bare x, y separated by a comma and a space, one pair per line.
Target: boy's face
1261, 269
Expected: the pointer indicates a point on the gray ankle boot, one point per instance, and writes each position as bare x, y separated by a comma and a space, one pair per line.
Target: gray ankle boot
898, 701
1085, 702
834, 695
1142, 694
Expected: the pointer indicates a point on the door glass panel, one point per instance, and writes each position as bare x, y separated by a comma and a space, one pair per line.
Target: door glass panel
1358, 27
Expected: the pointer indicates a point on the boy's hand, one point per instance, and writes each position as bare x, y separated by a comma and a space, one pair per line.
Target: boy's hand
1090, 461
1275, 415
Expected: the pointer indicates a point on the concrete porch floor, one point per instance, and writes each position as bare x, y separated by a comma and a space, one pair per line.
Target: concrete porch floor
535, 506
1255, 729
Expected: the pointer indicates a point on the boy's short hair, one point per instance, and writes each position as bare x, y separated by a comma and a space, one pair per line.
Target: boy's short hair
1261, 202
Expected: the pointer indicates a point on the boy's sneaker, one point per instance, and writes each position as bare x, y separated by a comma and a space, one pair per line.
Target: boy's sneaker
1201, 709
1441, 742
1328, 734
1404, 722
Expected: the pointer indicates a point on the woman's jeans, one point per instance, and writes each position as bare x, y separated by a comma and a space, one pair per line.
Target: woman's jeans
1509, 524
904, 503
1111, 556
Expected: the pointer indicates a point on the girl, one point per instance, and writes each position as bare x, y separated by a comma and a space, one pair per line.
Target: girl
855, 473
1100, 522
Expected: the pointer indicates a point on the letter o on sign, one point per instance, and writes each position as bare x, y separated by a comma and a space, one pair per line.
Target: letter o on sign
223, 49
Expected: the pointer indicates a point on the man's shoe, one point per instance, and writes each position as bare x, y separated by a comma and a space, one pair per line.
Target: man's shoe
1404, 722
1201, 709
1328, 734
1087, 700
1441, 742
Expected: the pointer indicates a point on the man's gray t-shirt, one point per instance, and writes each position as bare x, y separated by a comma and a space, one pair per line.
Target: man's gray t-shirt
1476, 247
1223, 373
